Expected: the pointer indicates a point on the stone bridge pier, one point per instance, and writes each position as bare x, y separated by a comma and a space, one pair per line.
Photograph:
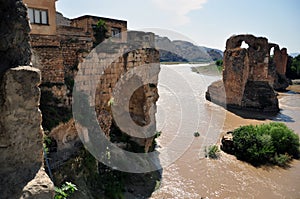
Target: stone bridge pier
249, 75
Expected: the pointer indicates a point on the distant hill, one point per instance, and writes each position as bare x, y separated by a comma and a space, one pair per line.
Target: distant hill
215, 54
166, 56
184, 51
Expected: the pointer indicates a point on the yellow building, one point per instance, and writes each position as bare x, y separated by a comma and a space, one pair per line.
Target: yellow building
42, 15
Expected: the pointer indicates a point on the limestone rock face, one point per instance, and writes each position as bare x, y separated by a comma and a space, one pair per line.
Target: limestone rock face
248, 76
21, 136
41, 187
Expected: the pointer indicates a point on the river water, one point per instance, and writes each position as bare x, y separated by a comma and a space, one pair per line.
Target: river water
183, 110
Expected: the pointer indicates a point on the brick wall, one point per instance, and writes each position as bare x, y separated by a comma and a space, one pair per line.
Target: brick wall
48, 58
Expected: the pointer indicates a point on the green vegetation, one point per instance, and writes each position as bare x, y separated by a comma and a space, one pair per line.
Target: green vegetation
157, 134
196, 134
47, 144
219, 64
293, 67
52, 113
212, 152
272, 143
65, 191
100, 32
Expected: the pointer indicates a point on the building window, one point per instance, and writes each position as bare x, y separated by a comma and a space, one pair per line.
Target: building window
38, 16
116, 32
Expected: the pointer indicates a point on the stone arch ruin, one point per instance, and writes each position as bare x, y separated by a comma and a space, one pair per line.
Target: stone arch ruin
249, 78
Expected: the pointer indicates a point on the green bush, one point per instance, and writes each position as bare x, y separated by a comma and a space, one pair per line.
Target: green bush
65, 191
100, 32
282, 159
212, 152
293, 67
261, 144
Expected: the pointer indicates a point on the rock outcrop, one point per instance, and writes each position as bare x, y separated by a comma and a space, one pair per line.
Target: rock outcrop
21, 136
14, 27
248, 76
227, 142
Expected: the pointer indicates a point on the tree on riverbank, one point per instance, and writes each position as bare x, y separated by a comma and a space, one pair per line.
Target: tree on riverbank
293, 67
272, 143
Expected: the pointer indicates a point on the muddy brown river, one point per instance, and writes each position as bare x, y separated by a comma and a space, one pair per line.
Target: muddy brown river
183, 110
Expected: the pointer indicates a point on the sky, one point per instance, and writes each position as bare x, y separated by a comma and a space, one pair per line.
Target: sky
205, 22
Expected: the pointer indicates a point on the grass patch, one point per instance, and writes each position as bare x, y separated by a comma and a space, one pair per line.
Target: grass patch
212, 152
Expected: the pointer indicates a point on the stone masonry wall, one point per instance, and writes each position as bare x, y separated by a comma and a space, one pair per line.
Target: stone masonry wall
280, 60
101, 71
57, 57
47, 56
61, 20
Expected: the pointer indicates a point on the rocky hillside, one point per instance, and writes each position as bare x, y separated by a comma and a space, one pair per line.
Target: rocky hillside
215, 54
184, 51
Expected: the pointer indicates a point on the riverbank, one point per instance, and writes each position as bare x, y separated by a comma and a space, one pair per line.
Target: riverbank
296, 81
209, 69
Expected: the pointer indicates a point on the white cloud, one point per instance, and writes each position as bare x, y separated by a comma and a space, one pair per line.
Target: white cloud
178, 9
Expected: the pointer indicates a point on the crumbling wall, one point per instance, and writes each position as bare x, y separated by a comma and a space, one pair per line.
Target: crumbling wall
236, 74
58, 57
117, 60
248, 76
279, 62
140, 100
47, 56
21, 136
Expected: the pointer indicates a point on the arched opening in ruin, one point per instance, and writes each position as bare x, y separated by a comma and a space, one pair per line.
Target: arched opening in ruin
272, 52
271, 65
244, 45
271, 55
